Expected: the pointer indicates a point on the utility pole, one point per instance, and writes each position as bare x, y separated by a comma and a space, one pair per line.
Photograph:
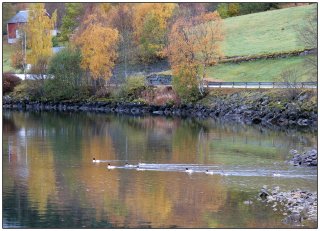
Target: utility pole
24, 52
25, 56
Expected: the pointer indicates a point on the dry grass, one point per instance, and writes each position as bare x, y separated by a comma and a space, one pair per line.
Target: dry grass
161, 96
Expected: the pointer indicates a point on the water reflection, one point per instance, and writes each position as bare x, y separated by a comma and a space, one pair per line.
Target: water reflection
50, 181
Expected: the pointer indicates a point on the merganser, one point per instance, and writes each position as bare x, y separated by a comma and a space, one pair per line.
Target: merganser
95, 161
189, 170
110, 166
210, 173
276, 174
130, 166
140, 169
225, 174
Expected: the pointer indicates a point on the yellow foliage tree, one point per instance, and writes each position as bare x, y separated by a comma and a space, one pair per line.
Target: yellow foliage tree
150, 23
39, 35
98, 44
194, 44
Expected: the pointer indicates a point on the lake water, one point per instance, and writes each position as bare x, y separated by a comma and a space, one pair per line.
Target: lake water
49, 180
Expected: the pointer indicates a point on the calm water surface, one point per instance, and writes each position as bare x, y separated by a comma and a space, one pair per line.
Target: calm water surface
49, 180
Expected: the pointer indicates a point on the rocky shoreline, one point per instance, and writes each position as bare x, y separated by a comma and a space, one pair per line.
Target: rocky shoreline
247, 114
308, 158
296, 205
259, 112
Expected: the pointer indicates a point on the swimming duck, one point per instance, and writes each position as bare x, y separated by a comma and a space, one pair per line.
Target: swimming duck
130, 166
189, 170
110, 166
276, 174
209, 173
95, 161
139, 169
225, 174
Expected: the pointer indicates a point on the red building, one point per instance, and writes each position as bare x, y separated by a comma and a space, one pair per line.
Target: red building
14, 23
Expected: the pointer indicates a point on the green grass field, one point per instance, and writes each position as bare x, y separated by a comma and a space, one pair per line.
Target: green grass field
259, 70
6, 53
263, 33
266, 32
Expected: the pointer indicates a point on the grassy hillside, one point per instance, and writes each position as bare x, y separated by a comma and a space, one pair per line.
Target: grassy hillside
265, 32
259, 70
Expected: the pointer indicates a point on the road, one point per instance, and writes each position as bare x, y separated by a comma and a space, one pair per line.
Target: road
312, 85
262, 85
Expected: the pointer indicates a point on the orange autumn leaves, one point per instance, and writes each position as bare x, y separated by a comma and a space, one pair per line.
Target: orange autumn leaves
191, 43
100, 35
194, 44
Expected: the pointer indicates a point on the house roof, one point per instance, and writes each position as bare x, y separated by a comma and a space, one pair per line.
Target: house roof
21, 16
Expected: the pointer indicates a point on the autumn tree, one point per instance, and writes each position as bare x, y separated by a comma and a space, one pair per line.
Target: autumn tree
39, 36
98, 44
194, 45
191, 9
150, 23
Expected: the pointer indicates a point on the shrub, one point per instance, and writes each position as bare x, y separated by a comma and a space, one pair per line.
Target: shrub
41, 67
234, 9
17, 60
9, 82
103, 93
132, 88
28, 89
66, 75
186, 86
228, 9
291, 77
162, 96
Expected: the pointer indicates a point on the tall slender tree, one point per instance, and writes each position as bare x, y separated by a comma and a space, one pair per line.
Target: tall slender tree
38, 30
39, 37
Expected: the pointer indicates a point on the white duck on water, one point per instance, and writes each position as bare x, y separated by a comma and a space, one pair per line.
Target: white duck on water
95, 161
110, 166
209, 173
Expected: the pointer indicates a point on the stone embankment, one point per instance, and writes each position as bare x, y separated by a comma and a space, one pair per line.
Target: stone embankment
240, 59
254, 109
296, 205
308, 158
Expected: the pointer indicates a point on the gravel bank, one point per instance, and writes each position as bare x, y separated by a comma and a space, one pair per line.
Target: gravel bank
296, 205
